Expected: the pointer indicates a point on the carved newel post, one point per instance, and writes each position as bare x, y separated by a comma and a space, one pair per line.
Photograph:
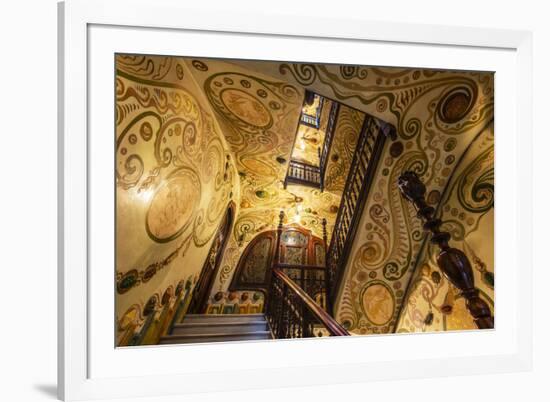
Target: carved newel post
453, 262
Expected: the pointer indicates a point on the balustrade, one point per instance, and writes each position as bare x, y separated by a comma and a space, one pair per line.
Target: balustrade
367, 153
304, 174
292, 313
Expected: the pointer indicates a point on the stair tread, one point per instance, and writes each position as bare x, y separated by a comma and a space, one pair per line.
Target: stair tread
173, 340
223, 318
218, 324
216, 334
224, 315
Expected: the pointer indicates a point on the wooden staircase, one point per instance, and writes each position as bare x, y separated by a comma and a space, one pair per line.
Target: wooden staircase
201, 328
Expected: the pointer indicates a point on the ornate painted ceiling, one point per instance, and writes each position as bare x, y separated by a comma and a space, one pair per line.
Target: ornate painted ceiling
226, 130
191, 136
438, 114
259, 117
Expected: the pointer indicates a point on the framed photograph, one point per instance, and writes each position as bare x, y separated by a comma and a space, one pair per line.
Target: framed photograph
253, 202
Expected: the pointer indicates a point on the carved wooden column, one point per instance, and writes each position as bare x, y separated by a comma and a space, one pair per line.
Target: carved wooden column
453, 262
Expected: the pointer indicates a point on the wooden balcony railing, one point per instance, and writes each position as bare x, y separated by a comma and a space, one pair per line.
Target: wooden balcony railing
292, 313
365, 159
304, 174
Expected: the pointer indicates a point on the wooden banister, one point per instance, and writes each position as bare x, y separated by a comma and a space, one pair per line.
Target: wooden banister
453, 262
310, 278
293, 312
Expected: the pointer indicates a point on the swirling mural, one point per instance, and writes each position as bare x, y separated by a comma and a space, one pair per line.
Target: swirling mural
259, 116
348, 127
437, 115
467, 213
225, 131
175, 176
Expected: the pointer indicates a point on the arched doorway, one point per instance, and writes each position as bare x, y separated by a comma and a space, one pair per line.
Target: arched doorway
203, 288
301, 256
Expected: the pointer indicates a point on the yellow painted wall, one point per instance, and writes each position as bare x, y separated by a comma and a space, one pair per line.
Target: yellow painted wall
175, 178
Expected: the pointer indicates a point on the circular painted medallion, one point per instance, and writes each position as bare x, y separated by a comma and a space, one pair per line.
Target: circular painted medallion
456, 104
172, 206
246, 108
378, 303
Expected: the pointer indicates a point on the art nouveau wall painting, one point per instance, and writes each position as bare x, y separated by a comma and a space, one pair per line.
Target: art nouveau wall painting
264, 200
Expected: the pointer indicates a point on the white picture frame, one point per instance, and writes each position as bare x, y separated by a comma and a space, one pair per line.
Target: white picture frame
89, 34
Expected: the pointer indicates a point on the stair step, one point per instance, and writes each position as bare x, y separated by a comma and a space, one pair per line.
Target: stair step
214, 337
196, 318
219, 327
205, 328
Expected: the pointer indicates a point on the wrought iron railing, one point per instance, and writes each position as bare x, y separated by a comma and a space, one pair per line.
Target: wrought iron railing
365, 159
309, 120
304, 174
327, 143
310, 278
292, 313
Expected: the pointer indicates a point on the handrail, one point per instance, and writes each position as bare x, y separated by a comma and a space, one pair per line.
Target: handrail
312, 279
320, 315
